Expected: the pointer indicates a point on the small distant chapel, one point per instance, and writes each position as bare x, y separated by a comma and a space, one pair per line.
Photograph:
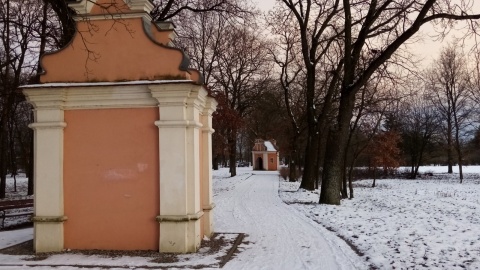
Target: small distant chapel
265, 155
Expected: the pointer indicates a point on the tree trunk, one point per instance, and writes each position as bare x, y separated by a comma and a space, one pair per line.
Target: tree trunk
350, 181
374, 175
292, 174
458, 148
293, 162
215, 163
30, 164
460, 170
308, 179
413, 172
449, 146
344, 175
3, 162
330, 192
335, 151
419, 161
232, 154
311, 153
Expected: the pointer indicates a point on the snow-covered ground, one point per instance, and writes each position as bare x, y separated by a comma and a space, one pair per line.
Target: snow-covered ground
278, 236
21, 183
429, 223
10, 238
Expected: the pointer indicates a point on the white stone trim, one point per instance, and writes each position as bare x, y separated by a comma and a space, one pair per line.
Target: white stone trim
112, 96
209, 107
48, 168
189, 217
113, 16
176, 124
265, 161
84, 7
98, 84
180, 109
47, 125
41, 219
144, 5
209, 207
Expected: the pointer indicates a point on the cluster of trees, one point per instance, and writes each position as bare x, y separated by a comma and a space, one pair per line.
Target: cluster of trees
26, 30
327, 79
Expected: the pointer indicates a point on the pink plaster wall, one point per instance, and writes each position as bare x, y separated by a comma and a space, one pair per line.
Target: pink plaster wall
111, 179
272, 166
138, 57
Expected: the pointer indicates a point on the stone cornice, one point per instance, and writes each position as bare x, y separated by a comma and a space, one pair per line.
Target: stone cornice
71, 96
88, 97
83, 7
120, 16
97, 84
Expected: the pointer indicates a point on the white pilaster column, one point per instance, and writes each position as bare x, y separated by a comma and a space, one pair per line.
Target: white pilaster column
48, 167
207, 199
179, 135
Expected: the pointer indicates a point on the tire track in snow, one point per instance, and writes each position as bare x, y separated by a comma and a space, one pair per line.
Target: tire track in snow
280, 237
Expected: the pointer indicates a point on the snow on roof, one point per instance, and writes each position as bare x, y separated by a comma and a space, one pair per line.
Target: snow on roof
270, 146
86, 84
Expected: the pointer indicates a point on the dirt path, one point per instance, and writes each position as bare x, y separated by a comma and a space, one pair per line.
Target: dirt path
280, 237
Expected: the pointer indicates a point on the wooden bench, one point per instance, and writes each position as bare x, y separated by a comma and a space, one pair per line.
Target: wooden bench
15, 204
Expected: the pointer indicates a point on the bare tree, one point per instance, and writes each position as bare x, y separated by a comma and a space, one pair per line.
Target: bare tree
169, 9
316, 23
376, 98
419, 127
231, 54
21, 24
241, 75
164, 10
448, 87
381, 27
287, 56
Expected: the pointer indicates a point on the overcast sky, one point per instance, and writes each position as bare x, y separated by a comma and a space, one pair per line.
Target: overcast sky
428, 49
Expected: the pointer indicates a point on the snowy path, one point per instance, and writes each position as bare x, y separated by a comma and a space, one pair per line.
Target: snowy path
10, 238
280, 237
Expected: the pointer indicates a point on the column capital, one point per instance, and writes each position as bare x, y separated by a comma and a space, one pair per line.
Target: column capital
172, 94
46, 98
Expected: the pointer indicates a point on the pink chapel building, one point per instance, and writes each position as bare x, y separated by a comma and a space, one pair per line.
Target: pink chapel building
265, 155
122, 137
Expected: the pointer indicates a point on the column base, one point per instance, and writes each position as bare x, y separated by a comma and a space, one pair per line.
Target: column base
48, 234
207, 220
180, 234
